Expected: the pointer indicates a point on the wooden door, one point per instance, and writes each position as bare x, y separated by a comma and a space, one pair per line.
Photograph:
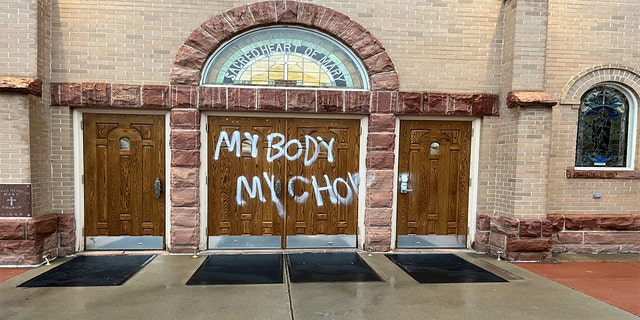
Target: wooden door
433, 171
123, 179
245, 182
322, 189
272, 182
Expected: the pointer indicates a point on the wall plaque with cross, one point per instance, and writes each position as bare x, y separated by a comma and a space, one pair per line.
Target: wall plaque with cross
15, 200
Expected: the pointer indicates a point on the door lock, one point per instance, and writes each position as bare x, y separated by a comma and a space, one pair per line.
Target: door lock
404, 183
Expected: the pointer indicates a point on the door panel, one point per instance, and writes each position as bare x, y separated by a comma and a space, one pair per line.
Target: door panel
322, 189
433, 200
279, 178
240, 178
123, 163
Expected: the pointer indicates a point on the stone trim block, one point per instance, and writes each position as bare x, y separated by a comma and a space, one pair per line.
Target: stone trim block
380, 160
185, 119
184, 97
185, 197
384, 101
538, 238
602, 174
185, 158
125, 96
185, 177
301, 100
382, 123
22, 85
331, 101
96, 94
381, 142
184, 139
530, 99
271, 100
357, 102
378, 239
156, 97
24, 241
212, 98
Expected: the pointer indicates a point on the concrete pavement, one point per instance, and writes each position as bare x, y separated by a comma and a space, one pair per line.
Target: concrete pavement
158, 291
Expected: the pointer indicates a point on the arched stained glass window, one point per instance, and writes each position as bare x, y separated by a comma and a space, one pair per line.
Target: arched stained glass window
285, 56
605, 123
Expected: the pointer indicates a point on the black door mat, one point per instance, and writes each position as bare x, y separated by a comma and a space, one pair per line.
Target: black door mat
442, 268
329, 267
239, 269
90, 271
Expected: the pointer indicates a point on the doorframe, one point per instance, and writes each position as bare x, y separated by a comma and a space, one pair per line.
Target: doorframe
204, 165
476, 124
78, 168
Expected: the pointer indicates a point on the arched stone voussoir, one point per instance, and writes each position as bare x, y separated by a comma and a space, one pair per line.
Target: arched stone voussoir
192, 56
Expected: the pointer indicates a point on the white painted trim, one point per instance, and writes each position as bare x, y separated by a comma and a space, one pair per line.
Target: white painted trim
476, 124
396, 177
362, 192
204, 186
78, 168
167, 180
474, 174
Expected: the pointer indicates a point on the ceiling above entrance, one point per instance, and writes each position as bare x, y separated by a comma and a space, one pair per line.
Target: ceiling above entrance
285, 56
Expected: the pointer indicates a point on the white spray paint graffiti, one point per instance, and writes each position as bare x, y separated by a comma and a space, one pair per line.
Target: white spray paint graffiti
339, 190
331, 187
277, 146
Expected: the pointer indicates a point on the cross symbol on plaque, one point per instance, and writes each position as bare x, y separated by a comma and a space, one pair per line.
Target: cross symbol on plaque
11, 201
286, 64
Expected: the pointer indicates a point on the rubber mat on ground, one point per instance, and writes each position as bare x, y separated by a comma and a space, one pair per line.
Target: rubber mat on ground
239, 269
329, 267
89, 271
442, 268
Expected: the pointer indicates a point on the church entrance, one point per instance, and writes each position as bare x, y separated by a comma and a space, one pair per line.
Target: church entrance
433, 188
124, 166
282, 182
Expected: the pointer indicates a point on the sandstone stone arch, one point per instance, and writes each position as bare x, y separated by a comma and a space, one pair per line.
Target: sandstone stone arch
192, 55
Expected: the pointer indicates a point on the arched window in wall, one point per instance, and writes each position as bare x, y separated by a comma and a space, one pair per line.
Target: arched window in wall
285, 56
606, 128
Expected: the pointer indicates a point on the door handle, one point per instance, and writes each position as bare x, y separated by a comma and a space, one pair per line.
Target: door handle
157, 188
278, 188
404, 183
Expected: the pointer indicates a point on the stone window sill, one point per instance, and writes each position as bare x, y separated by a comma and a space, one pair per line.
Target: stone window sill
602, 174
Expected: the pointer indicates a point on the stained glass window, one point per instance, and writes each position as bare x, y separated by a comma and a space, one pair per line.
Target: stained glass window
285, 56
603, 128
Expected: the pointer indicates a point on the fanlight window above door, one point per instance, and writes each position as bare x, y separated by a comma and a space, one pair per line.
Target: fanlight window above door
285, 56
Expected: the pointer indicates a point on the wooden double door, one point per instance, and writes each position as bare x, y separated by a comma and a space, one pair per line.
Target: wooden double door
433, 186
124, 166
282, 183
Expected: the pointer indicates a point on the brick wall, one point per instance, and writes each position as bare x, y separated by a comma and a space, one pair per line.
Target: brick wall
19, 46
605, 50
14, 145
441, 46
